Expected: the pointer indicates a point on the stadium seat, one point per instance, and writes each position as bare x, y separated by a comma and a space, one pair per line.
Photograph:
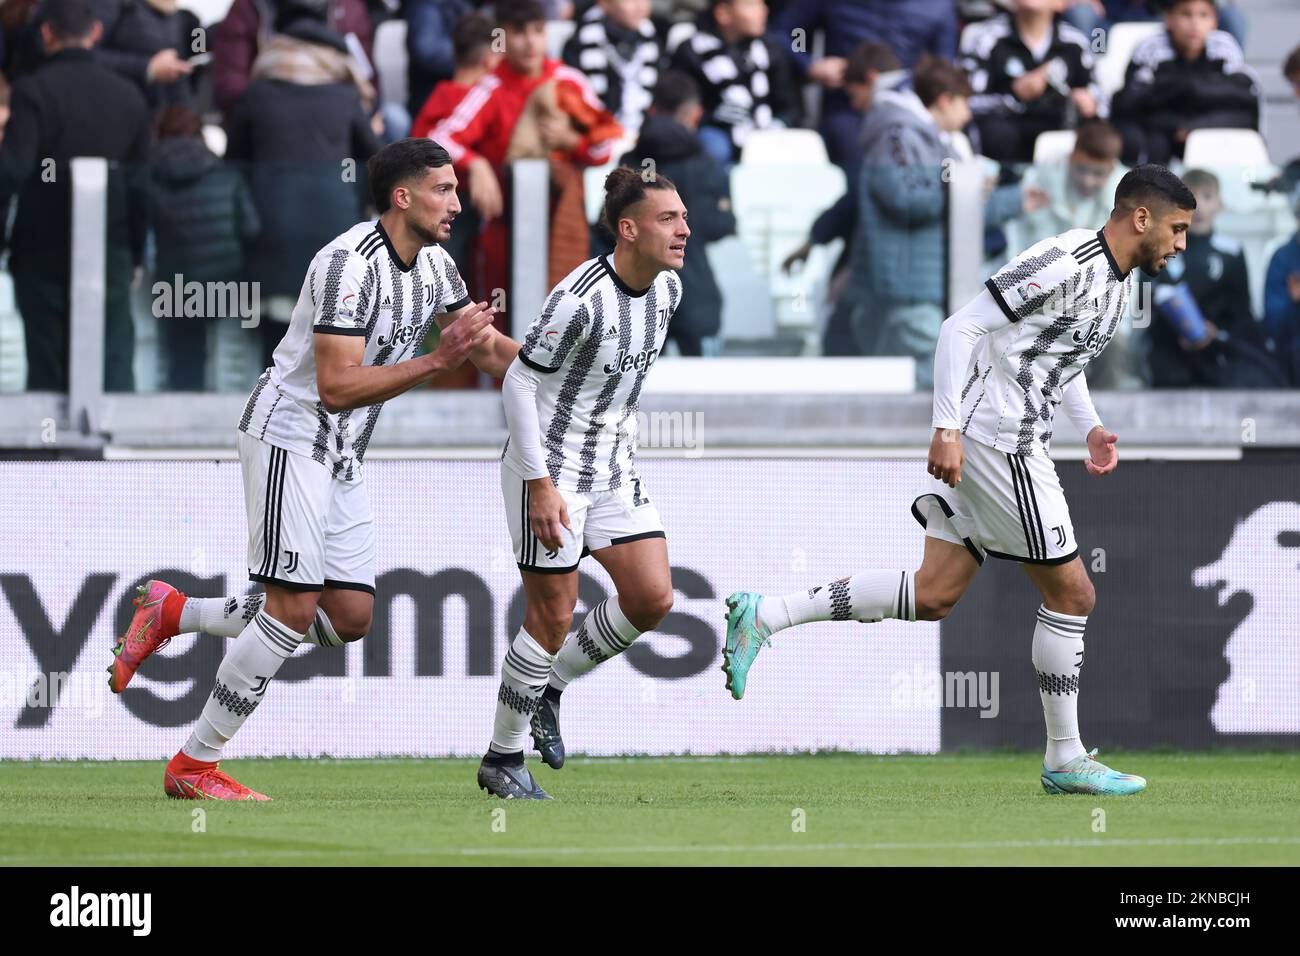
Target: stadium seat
593, 178
772, 222
557, 34
784, 147
1054, 146
391, 61
1207, 148
1121, 40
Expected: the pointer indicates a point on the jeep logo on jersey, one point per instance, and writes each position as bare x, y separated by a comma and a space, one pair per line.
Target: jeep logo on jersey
626, 361
400, 336
1089, 338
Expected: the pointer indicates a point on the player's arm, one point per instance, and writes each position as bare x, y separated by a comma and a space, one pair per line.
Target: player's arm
1077, 404
494, 355
957, 338
343, 382
547, 511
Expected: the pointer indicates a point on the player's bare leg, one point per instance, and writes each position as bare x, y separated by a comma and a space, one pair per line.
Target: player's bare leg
1068, 599
643, 596
548, 616
927, 594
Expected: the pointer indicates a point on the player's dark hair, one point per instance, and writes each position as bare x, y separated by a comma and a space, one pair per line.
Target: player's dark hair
626, 187
674, 90
399, 162
868, 56
1151, 185
1097, 139
471, 39
517, 14
933, 76
69, 20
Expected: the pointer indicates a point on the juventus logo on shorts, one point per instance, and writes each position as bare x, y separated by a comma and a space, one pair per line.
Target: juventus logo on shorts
291, 562
1060, 535
260, 687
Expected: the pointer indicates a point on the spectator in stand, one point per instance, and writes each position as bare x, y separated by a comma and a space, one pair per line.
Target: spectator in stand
909, 27
899, 279
72, 105
203, 217
237, 40
669, 146
1232, 351
1291, 70
1081, 193
1282, 301
1189, 76
1093, 15
150, 43
1031, 72
745, 78
475, 59
430, 47
616, 45
304, 114
5, 93
528, 106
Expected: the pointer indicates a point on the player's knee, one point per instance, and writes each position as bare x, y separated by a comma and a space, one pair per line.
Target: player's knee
647, 610
1083, 599
297, 613
353, 629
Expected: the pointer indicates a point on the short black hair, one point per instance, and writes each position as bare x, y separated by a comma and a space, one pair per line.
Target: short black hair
401, 161
517, 14
1150, 185
674, 90
868, 56
471, 39
70, 20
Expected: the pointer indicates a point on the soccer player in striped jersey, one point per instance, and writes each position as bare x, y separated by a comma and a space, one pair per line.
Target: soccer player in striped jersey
1002, 366
569, 476
366, 304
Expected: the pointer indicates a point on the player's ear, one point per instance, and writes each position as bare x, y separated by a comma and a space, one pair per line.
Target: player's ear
1141, 218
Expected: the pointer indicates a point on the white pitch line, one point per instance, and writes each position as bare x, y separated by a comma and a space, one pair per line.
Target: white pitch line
202, 856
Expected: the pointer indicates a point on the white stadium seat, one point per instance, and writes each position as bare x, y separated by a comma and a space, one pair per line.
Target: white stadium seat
557, 34
1121, 40
1054, 146
391, 61
784, 147
1208, 148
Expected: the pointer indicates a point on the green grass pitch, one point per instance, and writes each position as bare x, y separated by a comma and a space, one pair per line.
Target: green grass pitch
1218, 809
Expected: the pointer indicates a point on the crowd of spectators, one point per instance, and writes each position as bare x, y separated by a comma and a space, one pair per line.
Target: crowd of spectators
903, 88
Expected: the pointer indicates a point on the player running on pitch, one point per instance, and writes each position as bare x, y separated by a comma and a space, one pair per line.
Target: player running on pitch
366, 304
568, 473
1002, 365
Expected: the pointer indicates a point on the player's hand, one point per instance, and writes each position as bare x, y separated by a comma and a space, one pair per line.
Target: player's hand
946, 456
484, 190
1102, 456
796, 258
547, 513
466, 333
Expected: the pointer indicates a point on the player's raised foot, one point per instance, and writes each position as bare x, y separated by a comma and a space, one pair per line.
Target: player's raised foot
745, 638
545, 728
155, 622
188, 779
510, 783
1086, 774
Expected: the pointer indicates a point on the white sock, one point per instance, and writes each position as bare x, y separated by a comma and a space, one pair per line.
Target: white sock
246, 670
322, 633
605, 632
523, 678
868, 597
1058, 656
222, 617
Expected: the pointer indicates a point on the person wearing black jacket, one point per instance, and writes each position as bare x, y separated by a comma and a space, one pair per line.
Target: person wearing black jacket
72, 106
150, 43
669, 146
1189, 76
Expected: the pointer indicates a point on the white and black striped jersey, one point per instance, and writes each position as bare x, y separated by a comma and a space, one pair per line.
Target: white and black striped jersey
593, 345
356, 285
1063, 298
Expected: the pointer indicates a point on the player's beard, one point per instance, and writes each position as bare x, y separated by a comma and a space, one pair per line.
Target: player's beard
424, 235
1153, 260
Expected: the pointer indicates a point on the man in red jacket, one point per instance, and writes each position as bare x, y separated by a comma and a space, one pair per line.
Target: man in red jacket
478, 132
475, 58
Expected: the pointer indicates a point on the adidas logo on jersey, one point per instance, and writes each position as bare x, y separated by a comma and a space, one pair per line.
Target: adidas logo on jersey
387, 303
611, 332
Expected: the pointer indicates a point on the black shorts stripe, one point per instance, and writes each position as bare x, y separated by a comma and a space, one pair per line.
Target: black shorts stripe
279, 509
287, 585
536, 570
1033, 501
270, 509
350, 586
947, 510
641, 536
1030, 541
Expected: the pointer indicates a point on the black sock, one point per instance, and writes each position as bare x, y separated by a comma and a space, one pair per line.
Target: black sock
552, 693
494, 758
